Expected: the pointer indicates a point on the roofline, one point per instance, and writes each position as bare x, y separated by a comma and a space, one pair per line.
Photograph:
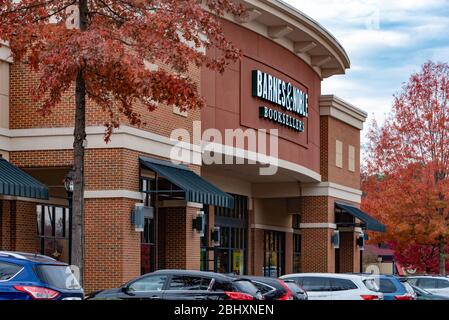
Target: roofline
319, 28
291, 19
335, 107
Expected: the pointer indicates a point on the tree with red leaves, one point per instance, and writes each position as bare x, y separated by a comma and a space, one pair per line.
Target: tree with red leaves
406, 177
104, 47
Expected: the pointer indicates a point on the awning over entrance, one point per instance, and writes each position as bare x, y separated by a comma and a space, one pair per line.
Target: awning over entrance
195, 187
371, 223
17, 183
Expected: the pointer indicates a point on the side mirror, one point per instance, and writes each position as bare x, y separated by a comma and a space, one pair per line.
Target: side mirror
125, 289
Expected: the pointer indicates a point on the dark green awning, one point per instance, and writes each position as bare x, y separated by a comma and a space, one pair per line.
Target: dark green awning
196, 188
371, 223
17, 183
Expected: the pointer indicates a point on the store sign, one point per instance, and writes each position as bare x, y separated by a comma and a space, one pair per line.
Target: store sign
293, 101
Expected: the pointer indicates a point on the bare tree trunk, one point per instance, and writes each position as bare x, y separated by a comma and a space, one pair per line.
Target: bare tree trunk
78, 156
442, 251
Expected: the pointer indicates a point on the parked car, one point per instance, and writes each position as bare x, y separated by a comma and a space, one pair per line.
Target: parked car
395, 288
426, 295
299, 293
25, 276
182, 285
271, 288
438, 285
328, 286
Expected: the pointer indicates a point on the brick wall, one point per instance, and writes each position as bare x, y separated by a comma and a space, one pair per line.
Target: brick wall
24, 114
26, 226
181, 244
331, 131
18, 226
317, 210
5, 225
258, 255
112, 246
318, 255
349, 252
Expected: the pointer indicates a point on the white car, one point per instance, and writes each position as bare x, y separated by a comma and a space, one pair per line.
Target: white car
438, 285
333, 286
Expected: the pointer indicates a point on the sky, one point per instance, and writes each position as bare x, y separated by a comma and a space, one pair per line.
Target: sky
386, 40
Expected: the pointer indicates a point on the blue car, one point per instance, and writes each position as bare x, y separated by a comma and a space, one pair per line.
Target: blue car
394, 289
25, 276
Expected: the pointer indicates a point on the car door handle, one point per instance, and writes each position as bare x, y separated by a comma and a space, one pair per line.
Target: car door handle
155, 298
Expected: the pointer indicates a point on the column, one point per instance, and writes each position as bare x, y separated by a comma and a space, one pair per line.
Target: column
317, 226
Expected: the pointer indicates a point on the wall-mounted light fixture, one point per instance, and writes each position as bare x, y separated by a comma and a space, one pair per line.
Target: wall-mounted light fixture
361, 241
138, 215
215, 237
335, 239
199, 223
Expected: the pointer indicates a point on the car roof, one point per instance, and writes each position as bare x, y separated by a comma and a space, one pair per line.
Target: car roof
261, 279
194, 273
327, 275
28, 257
428, 276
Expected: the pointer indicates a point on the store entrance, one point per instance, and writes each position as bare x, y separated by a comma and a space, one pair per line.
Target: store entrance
229, 255
148, 247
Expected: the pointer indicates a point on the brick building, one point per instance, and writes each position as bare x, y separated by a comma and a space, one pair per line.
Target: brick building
304, 217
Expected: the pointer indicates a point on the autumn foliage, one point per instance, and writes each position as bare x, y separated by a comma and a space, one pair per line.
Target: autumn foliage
406, 177
108, 57
120, 39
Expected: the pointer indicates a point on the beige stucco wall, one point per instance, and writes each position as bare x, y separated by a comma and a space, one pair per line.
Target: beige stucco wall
4, 95
227, 183
272, 212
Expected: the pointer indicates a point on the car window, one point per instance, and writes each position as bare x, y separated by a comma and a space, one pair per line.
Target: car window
263, 288
442, 283
8, 270
316, 284
245, 287
427, 283
342, 285
387, 286
222, 286
298, 280
150, 283
189, 283
408, 287
57, 276
412, 281
372, 284
294, 287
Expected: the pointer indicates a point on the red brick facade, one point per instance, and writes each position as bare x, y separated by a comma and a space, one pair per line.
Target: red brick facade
179, 243
112, 245
18, 225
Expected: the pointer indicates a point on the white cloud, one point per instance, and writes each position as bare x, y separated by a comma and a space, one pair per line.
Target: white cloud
384, 53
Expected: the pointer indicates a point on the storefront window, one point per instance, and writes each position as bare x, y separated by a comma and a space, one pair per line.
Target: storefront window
148, 237
296, 224
230, 255
274, 249
296, 253
53, 232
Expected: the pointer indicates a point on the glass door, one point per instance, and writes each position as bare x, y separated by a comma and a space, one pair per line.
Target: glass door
148, 248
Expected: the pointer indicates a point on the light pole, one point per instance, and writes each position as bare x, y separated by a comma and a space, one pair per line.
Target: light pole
69, 185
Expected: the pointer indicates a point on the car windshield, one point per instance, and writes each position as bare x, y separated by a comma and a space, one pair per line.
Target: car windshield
58, 276
246, 287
